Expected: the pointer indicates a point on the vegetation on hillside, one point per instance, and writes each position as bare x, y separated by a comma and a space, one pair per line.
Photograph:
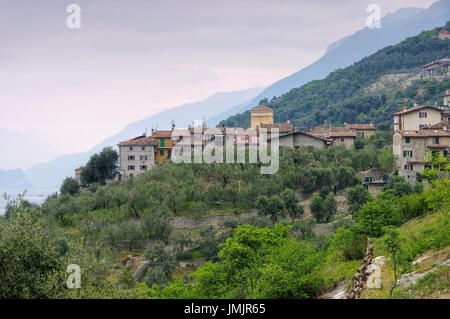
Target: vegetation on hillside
341, 98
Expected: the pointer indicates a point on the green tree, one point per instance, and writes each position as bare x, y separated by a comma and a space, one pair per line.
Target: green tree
323, 208
271, 206
393, 243
291, 204
100, 167
161, 263
30, 264
356, 197
69, 186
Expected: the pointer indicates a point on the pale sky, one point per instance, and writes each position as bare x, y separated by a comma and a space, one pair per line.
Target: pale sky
64, 90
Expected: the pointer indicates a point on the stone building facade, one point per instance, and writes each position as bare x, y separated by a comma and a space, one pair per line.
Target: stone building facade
136, 156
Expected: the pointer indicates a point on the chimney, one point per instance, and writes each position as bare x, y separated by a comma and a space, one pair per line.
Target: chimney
405, 108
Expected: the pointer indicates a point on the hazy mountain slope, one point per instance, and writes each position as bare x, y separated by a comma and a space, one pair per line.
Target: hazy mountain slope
343, 96
13, 179
52, 173
395, 27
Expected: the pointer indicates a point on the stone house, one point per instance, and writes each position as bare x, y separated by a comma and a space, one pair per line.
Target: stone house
136, 156
364, 130
409, 148
415, 118
296, 139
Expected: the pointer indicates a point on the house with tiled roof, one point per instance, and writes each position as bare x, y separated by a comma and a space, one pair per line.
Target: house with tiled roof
164, 145
414, 118
364, 130
297, 139
335, 135
136, 156
418, 130
436, 67
444, 35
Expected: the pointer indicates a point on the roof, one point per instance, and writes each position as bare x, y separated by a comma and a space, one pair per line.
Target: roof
424, 133
417, 108
160, 134
298, 132
140, 140
261, 109
361, 126
283, 127
437, 126
331, 132
342, 134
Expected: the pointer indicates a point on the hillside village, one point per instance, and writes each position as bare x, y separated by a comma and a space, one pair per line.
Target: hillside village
417, 130
351, 212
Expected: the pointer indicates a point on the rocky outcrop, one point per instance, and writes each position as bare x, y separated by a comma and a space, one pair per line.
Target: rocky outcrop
374, 270
413, 277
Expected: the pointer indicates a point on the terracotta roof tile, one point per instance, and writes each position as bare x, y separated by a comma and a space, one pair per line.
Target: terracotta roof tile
159, 134
361, 126
283, 127
261, 109
424, 133
140, 140
417, 108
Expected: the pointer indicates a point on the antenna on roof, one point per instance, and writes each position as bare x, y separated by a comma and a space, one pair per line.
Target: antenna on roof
173, 125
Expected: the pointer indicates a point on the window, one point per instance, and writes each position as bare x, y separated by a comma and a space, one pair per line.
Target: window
407, 140
131, 167
143, 157
422, 114
162, 142
169, 154
445, 153
368, 179
407, 153
131, 157
297, 147
143, 167
436, 140
427, 166
131, 148
143, 148
161, 152
342, 140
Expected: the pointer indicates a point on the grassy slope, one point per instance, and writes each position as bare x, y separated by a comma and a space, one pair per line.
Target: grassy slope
430, 235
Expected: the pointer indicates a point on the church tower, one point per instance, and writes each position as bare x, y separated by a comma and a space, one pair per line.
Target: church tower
261, 115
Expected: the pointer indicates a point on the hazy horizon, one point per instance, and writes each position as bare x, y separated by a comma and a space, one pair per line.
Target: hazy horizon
65, 90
